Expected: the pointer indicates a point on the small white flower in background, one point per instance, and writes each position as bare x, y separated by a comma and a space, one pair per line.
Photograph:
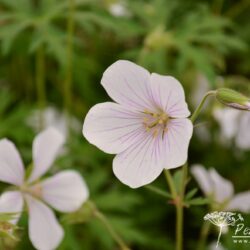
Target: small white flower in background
235, 125
147, 127
65, 191
220, 190
53, 118
118, 9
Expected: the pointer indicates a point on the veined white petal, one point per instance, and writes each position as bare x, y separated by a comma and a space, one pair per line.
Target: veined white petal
203, 178
223, 189
240, 202
45, 149
65, 191
11, 165
44, 230
128, 84
112, 127
168, 95
11, 202
176, 142
141, 163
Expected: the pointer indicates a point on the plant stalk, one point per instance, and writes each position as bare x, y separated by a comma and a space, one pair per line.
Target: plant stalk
40, 84
69, 61
111, 230
198, 109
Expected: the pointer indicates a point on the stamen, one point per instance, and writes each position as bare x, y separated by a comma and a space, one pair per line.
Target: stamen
157, 121
155, 133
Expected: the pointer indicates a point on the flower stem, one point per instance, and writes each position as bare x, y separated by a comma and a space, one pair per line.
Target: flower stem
111, 230
170, 182
178, 201
198, 109
40, 84
69, 61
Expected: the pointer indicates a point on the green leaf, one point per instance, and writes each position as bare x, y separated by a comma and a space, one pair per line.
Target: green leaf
197, 201
191, 194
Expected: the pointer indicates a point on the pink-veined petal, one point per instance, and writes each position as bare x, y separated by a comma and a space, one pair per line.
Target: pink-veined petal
65, 191
240, 202
128, 84
44, 230
11, 165
176, 142
46, 146
11, 202
223, 189
202, 176
169, 95
141, 163
112, 127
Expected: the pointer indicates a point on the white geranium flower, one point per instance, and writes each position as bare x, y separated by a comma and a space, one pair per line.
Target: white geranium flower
65, 191
235, 125
221, 190
147, 125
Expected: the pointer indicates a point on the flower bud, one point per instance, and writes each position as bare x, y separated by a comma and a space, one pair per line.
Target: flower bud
233, 99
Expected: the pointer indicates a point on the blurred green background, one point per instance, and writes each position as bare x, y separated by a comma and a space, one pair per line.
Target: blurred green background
52, 56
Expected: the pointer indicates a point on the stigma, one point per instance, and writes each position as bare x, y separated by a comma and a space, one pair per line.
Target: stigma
156, 122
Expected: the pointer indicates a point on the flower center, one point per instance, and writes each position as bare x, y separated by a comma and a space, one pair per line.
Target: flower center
35, 190
156, 122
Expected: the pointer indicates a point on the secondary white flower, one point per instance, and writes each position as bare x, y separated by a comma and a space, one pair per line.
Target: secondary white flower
220, 190
118, 9
234, 124
147, 128
53, 118
65, 191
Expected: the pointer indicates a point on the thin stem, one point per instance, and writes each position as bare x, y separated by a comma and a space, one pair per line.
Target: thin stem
170, 182
69, 62
111, 230
198, 109
178, 201
40, 84
203, 235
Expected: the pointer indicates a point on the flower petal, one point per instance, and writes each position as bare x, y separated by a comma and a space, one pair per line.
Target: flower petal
111, 127
240, 202
45, 149
65, 191
11, 165
44, 230
203, 178
242, 139
142, 163
168, 95
223, 189
128, 84
176, 142
11, 202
